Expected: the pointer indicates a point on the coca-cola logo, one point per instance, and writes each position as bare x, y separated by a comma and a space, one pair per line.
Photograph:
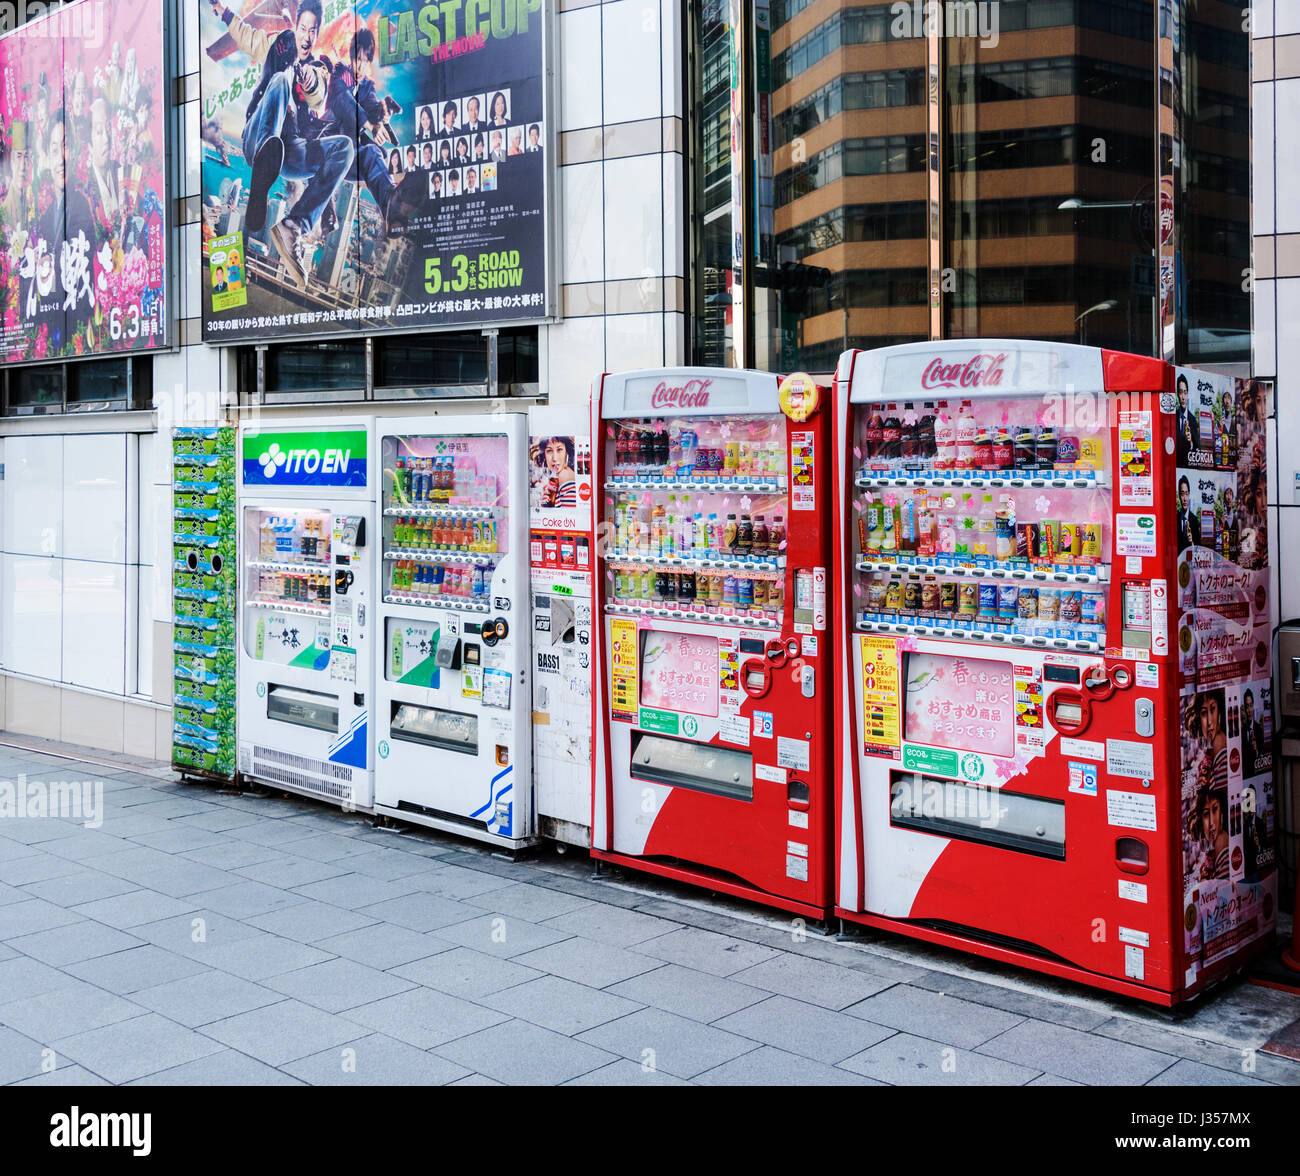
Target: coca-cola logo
692, 394
980, 371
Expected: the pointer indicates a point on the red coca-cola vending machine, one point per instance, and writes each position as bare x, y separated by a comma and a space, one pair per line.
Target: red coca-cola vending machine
713, 688
1053, 633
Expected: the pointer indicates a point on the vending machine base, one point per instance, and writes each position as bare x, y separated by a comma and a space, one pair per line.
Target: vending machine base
710, 880
976, 944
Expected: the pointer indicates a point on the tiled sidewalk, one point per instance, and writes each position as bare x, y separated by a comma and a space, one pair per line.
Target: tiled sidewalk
201, 938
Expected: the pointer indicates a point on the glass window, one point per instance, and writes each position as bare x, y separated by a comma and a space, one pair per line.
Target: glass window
438, 360
36, 389
316, 367
103, 380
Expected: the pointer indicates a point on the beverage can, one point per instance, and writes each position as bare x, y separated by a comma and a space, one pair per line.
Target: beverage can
1049, 604
1090, 541
1093, 607
912, 595
745, 592
988, 600
948, 597
1008, 601
894, 595
1071, 607
968, 600
1027, 604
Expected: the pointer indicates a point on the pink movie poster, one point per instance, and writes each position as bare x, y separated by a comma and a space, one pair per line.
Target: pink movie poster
83, 222
679, 672
961, 703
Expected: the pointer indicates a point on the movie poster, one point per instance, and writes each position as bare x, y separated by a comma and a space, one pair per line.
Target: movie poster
1224, 639
373, 165
83, 226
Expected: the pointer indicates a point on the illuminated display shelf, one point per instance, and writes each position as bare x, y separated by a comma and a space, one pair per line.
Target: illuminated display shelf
425, 511
676, 614
292, 606
458, 603
978, 636
690, 563
1098, 575
693, 486
1059, 480
419, 555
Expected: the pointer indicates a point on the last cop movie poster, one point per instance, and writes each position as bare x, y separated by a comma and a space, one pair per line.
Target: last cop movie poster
373, 164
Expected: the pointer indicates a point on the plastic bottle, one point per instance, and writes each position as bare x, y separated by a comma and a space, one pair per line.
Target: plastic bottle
967, 433
945, 439
986, 528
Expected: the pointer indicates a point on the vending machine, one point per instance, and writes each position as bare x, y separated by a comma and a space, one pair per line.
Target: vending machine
306, 510
561, 543
1052, 628
453, 710
713, 693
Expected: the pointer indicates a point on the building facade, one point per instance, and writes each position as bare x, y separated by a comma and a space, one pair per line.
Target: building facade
736, 182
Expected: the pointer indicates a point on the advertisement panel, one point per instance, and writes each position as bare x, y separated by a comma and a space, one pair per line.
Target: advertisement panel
373, 164
83, 227
1224, 638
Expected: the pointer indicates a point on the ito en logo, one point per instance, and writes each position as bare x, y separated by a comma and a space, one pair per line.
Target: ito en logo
273, 459
384, 749
690, 725
972, 767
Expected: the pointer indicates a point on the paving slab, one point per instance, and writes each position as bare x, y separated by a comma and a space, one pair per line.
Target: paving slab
768, 1066
907, 1060
335, 985
705, 951
205, 997
948, 1019
125, 972
383, 946
560, 1005
1096, 1061
518, 1053
668, 1042
804, 1029
688, 993
820, 983
74, 942
376, 1060
425, 1018
282, 1032
134, 1048
227, 1067
462, 971
587, 961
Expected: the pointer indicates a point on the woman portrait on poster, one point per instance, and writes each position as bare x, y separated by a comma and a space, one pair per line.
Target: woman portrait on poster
556, 457
395, 162
426, 123
462, 150
500, 114
1210, 829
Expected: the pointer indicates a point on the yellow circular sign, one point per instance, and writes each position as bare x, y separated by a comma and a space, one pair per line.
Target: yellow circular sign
799, 395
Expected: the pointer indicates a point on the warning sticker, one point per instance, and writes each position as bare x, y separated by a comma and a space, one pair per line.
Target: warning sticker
1083, 748
796, 867
881, 723
803, 491
768, 772
734, 729
798, 820
624, 703
1136, 478
792, 753
1124, 757
1133, 891
1136, 938
1134, 962
1131, 810
1083, 778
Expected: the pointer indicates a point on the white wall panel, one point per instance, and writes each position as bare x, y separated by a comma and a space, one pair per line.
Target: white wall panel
633, 217
31, 597
95, 497
670, 16
582, 192
96, 628
33, 495
632, 44
1263, 180
580, 85
1265, 316
1287, 217
573, 356
634, 341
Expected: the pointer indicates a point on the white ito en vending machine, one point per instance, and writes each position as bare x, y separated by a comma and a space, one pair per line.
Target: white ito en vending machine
306, 550
453, 707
